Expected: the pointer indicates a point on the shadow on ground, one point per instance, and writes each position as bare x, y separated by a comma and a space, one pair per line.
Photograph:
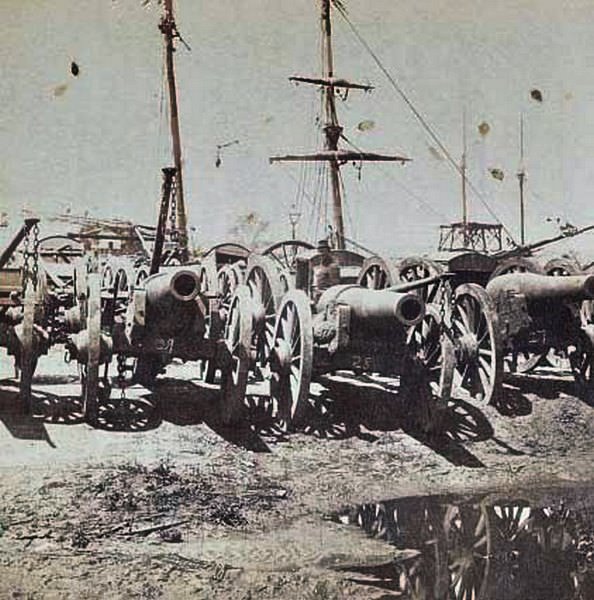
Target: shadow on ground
342, 407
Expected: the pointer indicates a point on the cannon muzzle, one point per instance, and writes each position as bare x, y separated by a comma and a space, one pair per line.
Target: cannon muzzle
179, 285
377, 306
543, 287
169, 307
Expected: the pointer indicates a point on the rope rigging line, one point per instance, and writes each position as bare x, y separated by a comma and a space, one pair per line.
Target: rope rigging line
346, 205
417, 114
407, 190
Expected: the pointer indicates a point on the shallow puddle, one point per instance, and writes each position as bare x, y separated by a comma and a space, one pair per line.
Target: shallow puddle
527, 545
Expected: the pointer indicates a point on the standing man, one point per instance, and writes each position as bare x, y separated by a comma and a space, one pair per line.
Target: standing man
326, 273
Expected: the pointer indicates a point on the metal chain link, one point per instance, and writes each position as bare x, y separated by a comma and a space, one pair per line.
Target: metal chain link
121, 360
447, 301
25, 274
35, 271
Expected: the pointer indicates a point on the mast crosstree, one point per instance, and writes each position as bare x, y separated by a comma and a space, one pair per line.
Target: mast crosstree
332, 128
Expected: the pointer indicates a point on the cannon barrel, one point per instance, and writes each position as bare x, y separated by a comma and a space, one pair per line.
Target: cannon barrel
543, 287
172, 287
377, 305
170, 309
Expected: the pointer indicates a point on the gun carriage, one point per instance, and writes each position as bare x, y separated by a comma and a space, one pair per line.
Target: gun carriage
345, 327
28, 309
457, 308
144, 318
273, 273
144, 328
538, 313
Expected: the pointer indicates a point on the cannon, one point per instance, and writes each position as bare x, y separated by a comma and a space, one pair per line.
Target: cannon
346, 328
162, 317
456, 309
473, 253
538, 313
271, 274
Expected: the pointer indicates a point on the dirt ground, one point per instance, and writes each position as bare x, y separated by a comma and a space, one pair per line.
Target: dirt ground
163, 501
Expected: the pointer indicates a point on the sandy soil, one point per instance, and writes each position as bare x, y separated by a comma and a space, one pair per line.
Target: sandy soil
163, 501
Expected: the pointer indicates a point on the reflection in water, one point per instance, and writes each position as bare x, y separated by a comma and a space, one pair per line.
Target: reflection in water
482, 548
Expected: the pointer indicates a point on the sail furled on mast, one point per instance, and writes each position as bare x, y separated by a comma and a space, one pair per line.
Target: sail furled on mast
334, 82
340, 156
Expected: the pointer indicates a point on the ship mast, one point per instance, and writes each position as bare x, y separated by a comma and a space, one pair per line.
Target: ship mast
463, 173
332, 128
170, 33
521, 180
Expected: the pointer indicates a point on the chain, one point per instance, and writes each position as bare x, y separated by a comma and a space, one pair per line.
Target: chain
35, 271
447, 302
26, 257
121, 360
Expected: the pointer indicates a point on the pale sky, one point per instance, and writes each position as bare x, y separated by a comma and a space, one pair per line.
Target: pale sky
97, 142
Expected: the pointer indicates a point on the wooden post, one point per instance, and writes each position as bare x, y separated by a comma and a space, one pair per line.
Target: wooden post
168, 175
521, 179
168, 28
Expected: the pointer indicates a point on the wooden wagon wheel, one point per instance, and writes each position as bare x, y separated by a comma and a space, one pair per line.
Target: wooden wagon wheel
27, 355
266, 288
414, 268
80, 279
207, 278
140, 274
285, 253
434, 351
291, 359
562, 267
238, 333
475, 329
377, 274
517, 264
229, 277
581, 361
510, 539
91, 374
107, 276
468, 541
213, 330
